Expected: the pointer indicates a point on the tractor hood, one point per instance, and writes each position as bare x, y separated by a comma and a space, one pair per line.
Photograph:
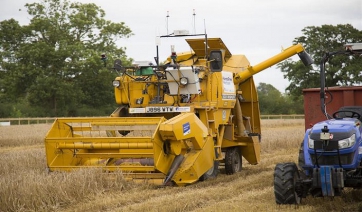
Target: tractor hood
340, 128
336, 145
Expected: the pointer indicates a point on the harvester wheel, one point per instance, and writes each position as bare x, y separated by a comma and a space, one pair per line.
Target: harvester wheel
212, 172
232, 160
286, 176
121, 111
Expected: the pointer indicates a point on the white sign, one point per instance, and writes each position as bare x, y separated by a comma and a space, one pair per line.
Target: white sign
228, 83
137, 110
182, 109
225, 96
5, 123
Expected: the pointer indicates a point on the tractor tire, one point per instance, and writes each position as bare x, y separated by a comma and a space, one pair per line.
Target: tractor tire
211, 173
233, 162
285, 178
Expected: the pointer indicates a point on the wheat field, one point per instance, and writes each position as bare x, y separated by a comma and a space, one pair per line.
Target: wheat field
26, 185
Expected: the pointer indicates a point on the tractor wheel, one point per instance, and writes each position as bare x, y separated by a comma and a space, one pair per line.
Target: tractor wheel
285, 177
211, 173
233, 160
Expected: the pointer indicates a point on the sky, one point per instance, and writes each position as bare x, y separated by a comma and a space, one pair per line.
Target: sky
258, 29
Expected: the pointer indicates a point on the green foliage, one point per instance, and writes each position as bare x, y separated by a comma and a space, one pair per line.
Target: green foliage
341, 70
5, 109
271, 101
54, 62
20, 109
104, 110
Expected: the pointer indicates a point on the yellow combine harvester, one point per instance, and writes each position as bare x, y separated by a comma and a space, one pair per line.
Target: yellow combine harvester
176, 123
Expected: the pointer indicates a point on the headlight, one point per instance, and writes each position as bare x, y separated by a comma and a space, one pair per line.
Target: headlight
310, 143
116, 83
184, 81
347, 142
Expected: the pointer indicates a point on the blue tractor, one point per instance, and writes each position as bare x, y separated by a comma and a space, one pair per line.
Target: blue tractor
330, 157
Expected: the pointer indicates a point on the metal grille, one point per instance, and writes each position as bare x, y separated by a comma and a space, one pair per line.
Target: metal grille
346, 159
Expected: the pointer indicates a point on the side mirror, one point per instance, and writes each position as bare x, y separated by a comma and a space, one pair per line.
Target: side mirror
117, 65
216, 61
305, 58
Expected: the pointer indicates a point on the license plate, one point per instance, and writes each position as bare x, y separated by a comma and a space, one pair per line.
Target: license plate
159, 109
326, 136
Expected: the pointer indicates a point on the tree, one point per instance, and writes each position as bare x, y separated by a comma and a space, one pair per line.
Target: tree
272, 101
52, 61
341, 70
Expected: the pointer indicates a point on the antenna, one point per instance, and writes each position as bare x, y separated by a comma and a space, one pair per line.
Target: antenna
194, 18
206, 44
167, 16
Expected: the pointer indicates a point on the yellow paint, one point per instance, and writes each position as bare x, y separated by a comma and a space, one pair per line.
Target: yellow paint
144, 145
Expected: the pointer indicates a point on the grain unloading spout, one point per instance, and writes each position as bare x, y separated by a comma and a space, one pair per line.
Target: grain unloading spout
286, 53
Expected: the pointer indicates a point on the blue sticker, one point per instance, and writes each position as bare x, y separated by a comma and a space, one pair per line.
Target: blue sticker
186, 128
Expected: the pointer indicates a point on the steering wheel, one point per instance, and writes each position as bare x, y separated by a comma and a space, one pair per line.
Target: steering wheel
354, 114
